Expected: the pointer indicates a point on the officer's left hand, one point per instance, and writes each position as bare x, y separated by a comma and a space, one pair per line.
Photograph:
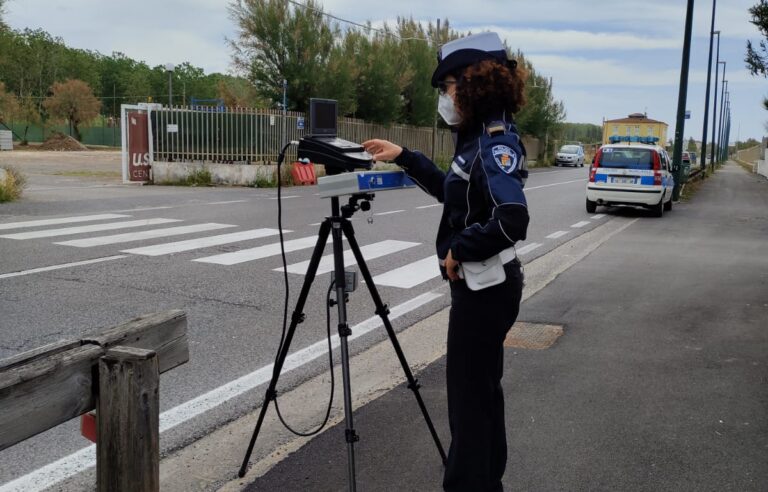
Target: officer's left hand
451, 267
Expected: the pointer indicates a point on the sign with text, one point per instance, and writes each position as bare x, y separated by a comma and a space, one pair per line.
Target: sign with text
138, 147
173, 128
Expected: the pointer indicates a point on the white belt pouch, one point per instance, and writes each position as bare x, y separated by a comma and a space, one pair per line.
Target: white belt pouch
482, 274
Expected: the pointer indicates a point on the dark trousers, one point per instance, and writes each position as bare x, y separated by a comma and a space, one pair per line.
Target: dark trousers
477, 326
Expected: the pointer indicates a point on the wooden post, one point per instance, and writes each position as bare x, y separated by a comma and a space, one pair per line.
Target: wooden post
128, 445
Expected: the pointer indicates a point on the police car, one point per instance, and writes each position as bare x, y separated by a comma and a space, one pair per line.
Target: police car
631, 174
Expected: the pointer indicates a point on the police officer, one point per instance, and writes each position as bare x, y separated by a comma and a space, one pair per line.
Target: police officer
484, 215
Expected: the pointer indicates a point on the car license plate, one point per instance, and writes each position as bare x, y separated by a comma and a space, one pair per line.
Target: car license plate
623, 180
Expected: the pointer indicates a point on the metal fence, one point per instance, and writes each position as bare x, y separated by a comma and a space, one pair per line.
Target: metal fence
105, 132
255, 136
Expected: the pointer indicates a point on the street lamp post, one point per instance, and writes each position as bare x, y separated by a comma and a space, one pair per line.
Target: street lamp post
722, 116
714, 107
709, 79
677, 155
170, 67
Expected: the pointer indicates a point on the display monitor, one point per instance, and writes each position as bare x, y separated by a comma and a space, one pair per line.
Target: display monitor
322, 117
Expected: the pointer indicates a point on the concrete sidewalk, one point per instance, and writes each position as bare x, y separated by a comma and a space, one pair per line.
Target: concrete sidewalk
660, 381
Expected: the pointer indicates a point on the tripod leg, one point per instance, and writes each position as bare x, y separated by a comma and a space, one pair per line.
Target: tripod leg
383, 311
344, 332
296, 318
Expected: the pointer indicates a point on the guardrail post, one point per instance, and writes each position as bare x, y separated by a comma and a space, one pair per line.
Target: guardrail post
128, 445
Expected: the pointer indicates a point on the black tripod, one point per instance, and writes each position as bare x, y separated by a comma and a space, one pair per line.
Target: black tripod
337, 224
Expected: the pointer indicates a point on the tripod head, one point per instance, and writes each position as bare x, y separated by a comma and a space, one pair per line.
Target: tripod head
359, 201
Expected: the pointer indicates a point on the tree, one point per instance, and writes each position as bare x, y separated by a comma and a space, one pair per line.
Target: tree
277, 41
757, 59
542, 115
9, 107
3, 25
692, 147
74, 102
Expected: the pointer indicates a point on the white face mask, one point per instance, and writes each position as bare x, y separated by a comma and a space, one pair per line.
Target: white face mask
447, 110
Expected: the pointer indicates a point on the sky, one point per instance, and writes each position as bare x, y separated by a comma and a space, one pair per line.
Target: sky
607, 58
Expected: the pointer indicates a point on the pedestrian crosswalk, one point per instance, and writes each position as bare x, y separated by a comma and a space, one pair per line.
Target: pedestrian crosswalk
87, 232
250, 246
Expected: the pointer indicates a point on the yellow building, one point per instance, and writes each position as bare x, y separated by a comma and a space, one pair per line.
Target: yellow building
637, 127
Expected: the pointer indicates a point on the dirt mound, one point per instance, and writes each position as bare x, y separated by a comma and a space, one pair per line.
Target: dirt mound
59, 141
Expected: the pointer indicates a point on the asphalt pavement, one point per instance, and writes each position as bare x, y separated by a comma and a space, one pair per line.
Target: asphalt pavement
659, 381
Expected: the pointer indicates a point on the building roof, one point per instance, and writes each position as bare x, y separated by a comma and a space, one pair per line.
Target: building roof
636, 118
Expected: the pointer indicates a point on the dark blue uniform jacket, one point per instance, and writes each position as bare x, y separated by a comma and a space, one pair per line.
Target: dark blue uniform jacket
484, 210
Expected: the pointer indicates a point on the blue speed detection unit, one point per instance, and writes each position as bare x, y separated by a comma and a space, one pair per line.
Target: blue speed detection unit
362, 182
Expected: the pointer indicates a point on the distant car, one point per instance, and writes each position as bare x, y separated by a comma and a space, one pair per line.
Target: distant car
570, 155
688, 157
631, 174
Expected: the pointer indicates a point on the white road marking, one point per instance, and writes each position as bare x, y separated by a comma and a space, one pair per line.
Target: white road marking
369, 252
554, 184
429, 206
259, 252
66, 231
390, 212
59, 267
578, 225
284, 197
557, 234
226, 203
410, 275
528, 248
140, 236
49, 475
203, 242
143, 209
598, 216
63, 220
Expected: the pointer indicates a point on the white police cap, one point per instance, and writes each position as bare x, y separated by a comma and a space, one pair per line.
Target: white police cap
465, 51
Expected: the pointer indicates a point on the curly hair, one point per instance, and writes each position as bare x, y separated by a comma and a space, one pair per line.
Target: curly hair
486, 89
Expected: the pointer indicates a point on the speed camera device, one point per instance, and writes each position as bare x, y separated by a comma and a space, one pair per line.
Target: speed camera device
323, 146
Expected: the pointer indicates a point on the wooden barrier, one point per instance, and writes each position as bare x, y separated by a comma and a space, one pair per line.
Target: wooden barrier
117, 372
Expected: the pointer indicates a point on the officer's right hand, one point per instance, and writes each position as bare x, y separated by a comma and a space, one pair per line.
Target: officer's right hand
382, 150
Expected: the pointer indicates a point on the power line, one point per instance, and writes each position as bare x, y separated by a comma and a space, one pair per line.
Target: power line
364, 26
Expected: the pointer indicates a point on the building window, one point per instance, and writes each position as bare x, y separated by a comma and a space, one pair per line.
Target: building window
615, 129
637, 130
650, 131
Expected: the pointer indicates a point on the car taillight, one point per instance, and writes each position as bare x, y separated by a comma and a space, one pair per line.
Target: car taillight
595, 165
656, 169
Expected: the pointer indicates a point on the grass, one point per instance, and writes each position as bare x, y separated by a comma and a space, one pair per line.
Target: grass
14, 184
199, 177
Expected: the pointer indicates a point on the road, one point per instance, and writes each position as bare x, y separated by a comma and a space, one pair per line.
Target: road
79, 255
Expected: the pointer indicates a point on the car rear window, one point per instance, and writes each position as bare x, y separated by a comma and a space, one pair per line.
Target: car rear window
627, 158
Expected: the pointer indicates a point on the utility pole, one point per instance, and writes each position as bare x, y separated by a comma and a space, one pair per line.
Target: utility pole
709, 78
677, 155
434, 117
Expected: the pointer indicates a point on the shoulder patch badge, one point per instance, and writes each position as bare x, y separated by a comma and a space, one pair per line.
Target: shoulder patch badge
505, 158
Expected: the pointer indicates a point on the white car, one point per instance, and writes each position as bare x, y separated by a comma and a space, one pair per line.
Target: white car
570, 155
631, 174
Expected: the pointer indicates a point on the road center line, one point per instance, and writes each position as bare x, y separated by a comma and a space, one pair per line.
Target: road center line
557, 234
554, 184
430, 206
51, 474
578, 225
59, 267
390, 212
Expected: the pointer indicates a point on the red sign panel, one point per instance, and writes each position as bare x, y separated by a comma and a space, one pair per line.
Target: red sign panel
138, 147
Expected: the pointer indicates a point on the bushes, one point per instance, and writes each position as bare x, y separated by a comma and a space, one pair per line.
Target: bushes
12, 182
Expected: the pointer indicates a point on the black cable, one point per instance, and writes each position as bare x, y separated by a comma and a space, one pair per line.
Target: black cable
280, 159
330, 364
